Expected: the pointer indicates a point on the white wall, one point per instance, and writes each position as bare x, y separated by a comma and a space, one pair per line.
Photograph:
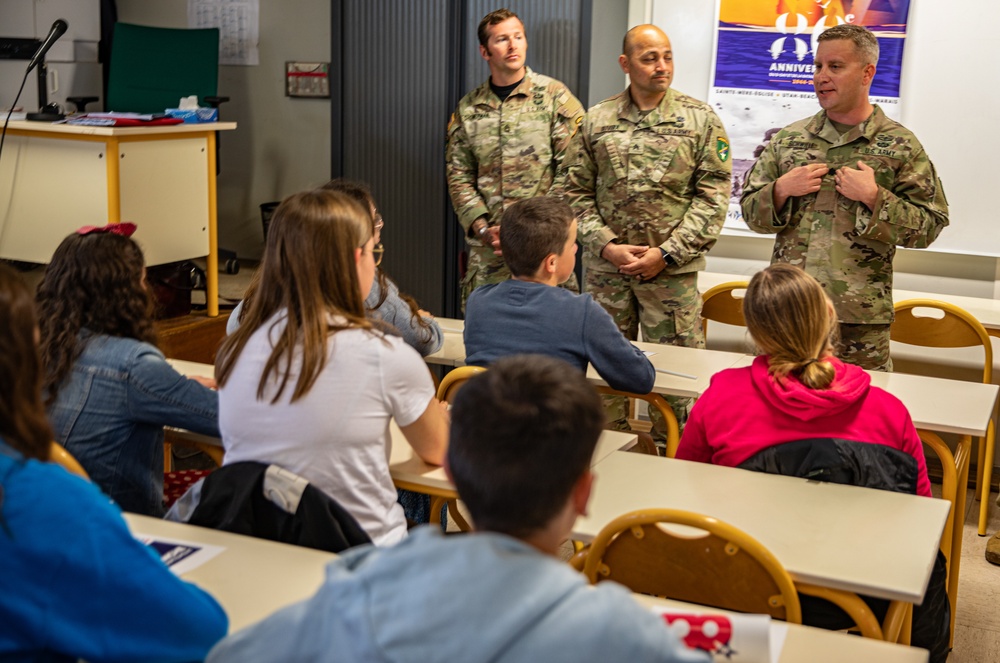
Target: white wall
282, 144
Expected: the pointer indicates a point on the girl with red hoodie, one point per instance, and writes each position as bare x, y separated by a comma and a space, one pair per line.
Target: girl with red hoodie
796, 389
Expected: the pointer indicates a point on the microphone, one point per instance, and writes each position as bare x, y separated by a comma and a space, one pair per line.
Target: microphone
58, 30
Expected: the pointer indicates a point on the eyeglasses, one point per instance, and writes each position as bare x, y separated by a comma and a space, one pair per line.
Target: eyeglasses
378, 251
379, 223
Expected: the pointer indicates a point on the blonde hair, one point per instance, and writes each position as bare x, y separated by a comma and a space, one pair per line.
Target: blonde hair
789, 317
309, 272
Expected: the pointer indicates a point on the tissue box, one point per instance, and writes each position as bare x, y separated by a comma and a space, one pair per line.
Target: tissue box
194, 115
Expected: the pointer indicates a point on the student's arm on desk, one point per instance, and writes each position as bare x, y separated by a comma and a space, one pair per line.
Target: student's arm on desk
428, 435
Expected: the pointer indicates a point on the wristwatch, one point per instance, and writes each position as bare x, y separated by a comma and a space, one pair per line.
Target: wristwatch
667, 259
484, 229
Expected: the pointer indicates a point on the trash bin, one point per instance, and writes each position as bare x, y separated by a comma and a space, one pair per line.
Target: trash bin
266, 212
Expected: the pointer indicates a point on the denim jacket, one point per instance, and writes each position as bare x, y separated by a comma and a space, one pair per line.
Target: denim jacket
110, 412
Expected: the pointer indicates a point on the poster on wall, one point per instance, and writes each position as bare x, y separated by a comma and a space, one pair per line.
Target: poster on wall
763, 64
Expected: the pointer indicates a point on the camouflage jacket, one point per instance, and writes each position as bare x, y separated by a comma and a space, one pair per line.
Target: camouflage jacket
848, 248
662, 180
499, 153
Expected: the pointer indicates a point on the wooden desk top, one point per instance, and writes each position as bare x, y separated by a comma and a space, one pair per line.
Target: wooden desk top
25, 127
253, 577
867, 541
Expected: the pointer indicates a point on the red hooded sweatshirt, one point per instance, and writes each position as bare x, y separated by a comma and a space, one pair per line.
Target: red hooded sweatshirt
745, 410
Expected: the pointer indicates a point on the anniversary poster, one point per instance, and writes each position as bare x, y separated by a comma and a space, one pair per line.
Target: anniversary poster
763, 67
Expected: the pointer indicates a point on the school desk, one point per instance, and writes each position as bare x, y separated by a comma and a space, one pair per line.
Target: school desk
55, 178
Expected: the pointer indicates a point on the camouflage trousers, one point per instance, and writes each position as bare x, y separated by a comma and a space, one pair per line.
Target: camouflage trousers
485, 267
866, 346
667, 310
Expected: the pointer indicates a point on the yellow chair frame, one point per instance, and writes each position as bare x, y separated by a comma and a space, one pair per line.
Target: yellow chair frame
447, 389
59, 456
453, 381
634, 551
719, 304
957, 329
661, 404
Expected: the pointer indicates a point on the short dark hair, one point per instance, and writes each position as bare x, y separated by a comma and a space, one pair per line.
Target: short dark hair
865, 42
494, 17
532, 229
522, 435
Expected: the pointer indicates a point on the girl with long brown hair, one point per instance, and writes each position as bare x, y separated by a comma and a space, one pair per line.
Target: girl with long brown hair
75, 583
308, 382
109, 390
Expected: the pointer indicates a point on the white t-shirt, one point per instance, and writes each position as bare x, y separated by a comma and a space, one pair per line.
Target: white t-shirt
337, 435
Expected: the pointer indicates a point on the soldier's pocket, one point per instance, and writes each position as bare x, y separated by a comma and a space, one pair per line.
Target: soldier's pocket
608, 151
679, 326
468, 284
661, 160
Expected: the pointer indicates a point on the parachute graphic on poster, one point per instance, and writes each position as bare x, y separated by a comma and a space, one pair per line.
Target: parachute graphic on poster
763, 64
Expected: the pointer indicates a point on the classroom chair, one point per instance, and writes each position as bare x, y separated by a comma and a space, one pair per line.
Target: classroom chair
724, 303
453, 381
59, 456
878, 467
956, 329
449, 386
660, 403
721, 567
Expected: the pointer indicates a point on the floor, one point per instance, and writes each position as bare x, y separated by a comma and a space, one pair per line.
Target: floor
977, 621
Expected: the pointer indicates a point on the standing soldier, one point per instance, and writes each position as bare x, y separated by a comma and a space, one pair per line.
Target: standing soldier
650, 183
842, 189
506, 142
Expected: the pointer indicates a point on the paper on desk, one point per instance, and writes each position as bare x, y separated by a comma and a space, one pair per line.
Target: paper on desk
729, 638
180, 556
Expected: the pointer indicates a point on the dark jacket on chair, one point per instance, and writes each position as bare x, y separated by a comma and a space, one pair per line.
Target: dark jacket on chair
268, 502
871, 466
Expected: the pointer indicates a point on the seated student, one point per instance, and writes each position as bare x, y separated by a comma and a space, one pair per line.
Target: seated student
309, 383
797, 389
385, 302
109, 390
75, 584
522, 437
530, 314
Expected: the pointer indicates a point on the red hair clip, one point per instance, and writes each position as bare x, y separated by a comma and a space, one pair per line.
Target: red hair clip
125, 229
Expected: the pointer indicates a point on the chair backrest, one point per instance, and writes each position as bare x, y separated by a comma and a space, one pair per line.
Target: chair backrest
152, 68
454, 380
721, 566
724, 303
661, 404
59, 455
956, 329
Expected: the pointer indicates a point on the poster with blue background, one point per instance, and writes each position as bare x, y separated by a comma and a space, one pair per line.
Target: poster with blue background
763, 65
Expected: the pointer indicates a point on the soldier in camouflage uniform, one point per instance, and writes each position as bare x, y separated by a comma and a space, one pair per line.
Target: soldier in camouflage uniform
649, 179
506, 142
842, 189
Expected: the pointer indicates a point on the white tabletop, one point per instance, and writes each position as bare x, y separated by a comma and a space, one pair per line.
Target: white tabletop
409, 471
804, 643
71, 130
702, 364
253, 578
872, 542
250, 579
